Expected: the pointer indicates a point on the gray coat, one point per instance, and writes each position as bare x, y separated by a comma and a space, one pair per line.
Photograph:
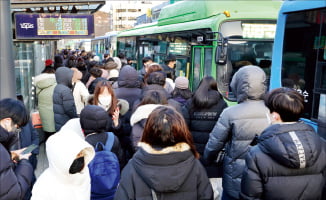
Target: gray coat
63, 100
238, 125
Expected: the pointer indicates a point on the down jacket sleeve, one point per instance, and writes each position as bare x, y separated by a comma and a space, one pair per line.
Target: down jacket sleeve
126, 188
218, 137
14, 182
251, 182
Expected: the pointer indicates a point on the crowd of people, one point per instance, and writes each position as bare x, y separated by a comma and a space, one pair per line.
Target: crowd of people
163, 139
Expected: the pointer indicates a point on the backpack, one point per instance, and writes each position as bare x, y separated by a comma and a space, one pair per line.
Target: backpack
104, 171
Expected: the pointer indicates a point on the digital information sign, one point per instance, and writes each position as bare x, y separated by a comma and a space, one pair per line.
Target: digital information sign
53, 26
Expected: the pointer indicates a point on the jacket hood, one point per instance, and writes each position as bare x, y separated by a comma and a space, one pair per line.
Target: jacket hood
128, 77
292, 145
93, 119
249, 83
64, 75
142, 112
174, 164
61, 150
74, 125
45, 80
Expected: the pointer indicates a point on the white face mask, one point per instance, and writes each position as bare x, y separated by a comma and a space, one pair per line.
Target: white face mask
105, 101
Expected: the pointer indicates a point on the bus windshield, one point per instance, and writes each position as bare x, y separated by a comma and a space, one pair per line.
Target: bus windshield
249, 43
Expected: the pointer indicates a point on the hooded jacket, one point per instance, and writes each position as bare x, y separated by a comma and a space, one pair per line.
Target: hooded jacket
288, 163
172, 173
56, 183
238, 125
129, 85
138, 120
45, 84
15, 180
63, 100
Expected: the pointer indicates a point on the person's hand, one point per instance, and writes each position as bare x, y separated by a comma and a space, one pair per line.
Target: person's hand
115, 116
17, 155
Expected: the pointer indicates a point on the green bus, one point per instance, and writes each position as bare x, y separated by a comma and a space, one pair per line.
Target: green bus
207, 37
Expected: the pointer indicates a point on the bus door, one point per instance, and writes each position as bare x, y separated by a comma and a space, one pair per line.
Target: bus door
201, 65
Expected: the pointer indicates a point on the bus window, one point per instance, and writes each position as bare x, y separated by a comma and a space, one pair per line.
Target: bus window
303, 65
250, 42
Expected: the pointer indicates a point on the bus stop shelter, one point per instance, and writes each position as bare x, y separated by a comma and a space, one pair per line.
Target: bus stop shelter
8, 8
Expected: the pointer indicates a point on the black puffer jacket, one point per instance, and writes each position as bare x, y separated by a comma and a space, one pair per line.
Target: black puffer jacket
173, 173
238, 125
94, 119
288, 163
201, 121
15, 180
63, 100
129, 90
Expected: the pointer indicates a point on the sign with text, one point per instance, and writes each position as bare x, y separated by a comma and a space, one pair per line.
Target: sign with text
54, 26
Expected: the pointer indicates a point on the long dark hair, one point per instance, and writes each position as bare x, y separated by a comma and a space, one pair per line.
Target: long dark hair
201, 95
166, 127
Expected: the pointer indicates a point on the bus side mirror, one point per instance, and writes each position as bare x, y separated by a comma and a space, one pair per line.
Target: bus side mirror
221, 50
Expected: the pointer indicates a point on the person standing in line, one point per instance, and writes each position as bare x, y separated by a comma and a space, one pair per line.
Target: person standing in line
169, 66
201, 113
67, 177
28, 136
16, 172
289, 160
129, 90
237, 127
45, 84
146, 62
181, 92
138, 119
63, 100
93, 121
166, 166
104, 97
79, 90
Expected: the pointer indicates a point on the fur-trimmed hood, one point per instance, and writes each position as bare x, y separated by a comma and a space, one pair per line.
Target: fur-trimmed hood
180, 147
165, 170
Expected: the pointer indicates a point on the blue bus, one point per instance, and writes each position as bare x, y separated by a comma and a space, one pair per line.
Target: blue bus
299, 57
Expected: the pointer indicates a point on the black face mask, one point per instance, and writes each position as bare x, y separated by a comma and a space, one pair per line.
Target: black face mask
77, 165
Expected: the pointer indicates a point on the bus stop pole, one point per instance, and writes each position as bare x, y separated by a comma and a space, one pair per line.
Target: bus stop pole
7, 64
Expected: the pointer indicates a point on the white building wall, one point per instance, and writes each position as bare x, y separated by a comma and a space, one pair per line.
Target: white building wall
124, 13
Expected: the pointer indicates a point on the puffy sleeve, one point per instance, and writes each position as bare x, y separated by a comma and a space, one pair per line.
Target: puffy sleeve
126, 188
251, 183
218, 137
14, 181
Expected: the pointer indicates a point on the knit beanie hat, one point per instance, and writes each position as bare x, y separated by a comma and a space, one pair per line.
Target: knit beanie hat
181, 82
